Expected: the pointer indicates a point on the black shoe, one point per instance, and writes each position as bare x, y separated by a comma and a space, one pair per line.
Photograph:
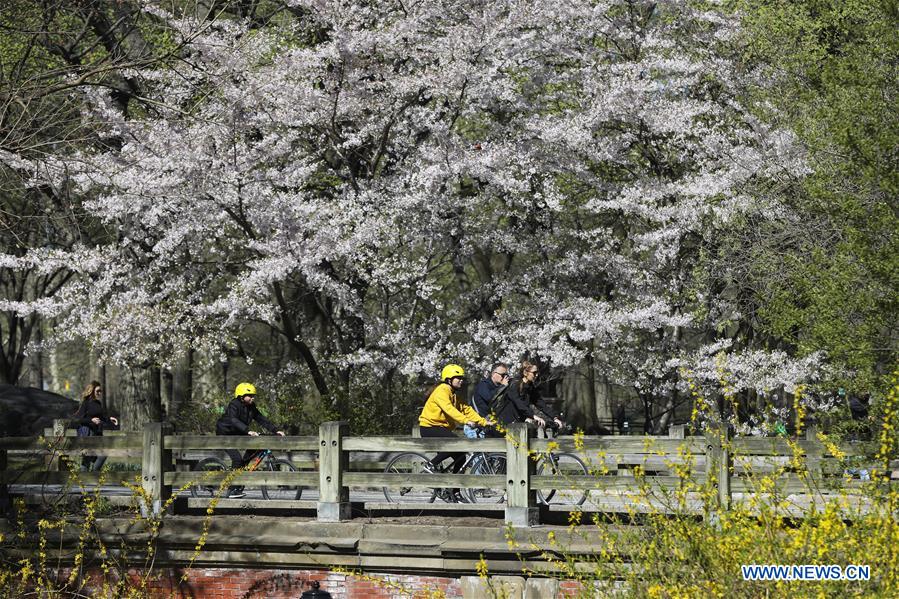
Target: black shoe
451, 496
236, 493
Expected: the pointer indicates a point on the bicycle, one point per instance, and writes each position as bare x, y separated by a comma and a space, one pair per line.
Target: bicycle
478, 462
564, 465
262, 459
487, 464
551, 464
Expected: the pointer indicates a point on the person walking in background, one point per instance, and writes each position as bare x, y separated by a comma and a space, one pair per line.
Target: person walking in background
89, 420
620, 418
236, 420
485, 392
859, 409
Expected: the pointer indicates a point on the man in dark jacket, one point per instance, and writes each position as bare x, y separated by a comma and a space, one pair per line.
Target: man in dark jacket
485, 392
236, 421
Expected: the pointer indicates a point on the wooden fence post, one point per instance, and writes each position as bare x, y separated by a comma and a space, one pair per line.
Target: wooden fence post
333, 498
155, 462
718, 460
521, 508
677, 431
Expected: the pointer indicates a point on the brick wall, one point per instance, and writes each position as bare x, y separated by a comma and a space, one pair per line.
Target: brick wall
229, 583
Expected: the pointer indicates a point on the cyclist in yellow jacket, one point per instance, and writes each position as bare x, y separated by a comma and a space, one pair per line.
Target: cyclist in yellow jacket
444, 411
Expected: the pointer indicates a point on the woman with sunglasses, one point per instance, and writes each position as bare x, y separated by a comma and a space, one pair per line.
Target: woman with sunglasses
521, 393
90, 419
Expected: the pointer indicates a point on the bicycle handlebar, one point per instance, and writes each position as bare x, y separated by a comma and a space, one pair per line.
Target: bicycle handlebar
483, 427
562, 430
565, 429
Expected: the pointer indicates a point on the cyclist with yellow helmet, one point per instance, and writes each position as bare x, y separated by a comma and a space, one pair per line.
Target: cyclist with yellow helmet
444, 411
236, 420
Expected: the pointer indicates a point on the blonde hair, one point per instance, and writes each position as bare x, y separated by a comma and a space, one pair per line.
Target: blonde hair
90, 391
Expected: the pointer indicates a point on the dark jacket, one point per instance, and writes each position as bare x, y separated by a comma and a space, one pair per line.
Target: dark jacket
858, 407
237, 418
484, 393
515, 405
88, 410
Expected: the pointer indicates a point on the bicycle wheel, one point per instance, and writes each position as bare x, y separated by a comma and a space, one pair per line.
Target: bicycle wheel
409, 463
491, 463
563, 466
287, 491
203, 488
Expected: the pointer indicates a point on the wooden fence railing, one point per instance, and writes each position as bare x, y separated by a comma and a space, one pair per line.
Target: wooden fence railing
659, 462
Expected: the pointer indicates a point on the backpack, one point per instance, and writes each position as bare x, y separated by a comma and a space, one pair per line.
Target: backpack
498, 402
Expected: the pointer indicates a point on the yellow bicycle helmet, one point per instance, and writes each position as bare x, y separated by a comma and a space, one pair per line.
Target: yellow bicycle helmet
245, 389
451, 371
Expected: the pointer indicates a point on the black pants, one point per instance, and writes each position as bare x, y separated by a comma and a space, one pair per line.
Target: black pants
91, 463
457, 456
238, 460
492, 433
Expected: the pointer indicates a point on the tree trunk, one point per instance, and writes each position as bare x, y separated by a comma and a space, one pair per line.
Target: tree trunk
577, 392
647, 413
167, 393
605, 396
292, 335
39, 357
182, 394
667, 416
12, 356
140, 396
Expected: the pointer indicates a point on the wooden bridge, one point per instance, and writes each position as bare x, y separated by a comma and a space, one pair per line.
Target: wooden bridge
342, 519
344, 474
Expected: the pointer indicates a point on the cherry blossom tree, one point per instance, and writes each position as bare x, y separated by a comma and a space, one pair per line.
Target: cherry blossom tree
391, 185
